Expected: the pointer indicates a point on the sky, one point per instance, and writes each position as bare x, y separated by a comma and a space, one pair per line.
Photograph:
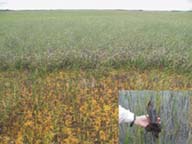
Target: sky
97, 4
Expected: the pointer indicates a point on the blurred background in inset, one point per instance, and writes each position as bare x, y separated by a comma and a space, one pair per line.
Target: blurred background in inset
174, 109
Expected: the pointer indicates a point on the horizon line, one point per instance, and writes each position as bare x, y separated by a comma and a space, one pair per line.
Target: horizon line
7, 9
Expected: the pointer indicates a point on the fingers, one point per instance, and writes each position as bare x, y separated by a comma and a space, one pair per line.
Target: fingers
159, 120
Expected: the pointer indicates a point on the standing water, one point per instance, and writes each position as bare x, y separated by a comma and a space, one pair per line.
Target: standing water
173, 107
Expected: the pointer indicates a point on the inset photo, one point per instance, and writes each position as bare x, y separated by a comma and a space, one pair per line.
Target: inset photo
155, 117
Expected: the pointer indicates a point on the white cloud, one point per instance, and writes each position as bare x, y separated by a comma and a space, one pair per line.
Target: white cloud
99, 4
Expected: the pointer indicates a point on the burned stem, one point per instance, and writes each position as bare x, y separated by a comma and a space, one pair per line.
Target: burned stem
154, 127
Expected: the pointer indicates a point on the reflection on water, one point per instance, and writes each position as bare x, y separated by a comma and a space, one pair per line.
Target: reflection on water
172, 106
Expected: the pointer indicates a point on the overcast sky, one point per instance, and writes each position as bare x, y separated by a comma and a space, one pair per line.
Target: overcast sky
97, 4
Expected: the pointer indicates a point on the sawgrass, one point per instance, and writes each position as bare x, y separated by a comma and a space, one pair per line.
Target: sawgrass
172, 106
52, 40
60, 71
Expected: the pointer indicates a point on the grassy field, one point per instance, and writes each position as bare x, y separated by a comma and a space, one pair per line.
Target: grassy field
71, 106
60, 71
50, 40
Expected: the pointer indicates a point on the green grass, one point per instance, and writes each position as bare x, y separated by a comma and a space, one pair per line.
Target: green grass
37, 107
52, 40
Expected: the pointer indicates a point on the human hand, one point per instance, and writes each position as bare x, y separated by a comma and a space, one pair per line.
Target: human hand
144, 120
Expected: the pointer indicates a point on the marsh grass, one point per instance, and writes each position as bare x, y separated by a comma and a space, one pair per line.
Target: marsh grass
71, 106
52, 40
60, 71
172, 106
